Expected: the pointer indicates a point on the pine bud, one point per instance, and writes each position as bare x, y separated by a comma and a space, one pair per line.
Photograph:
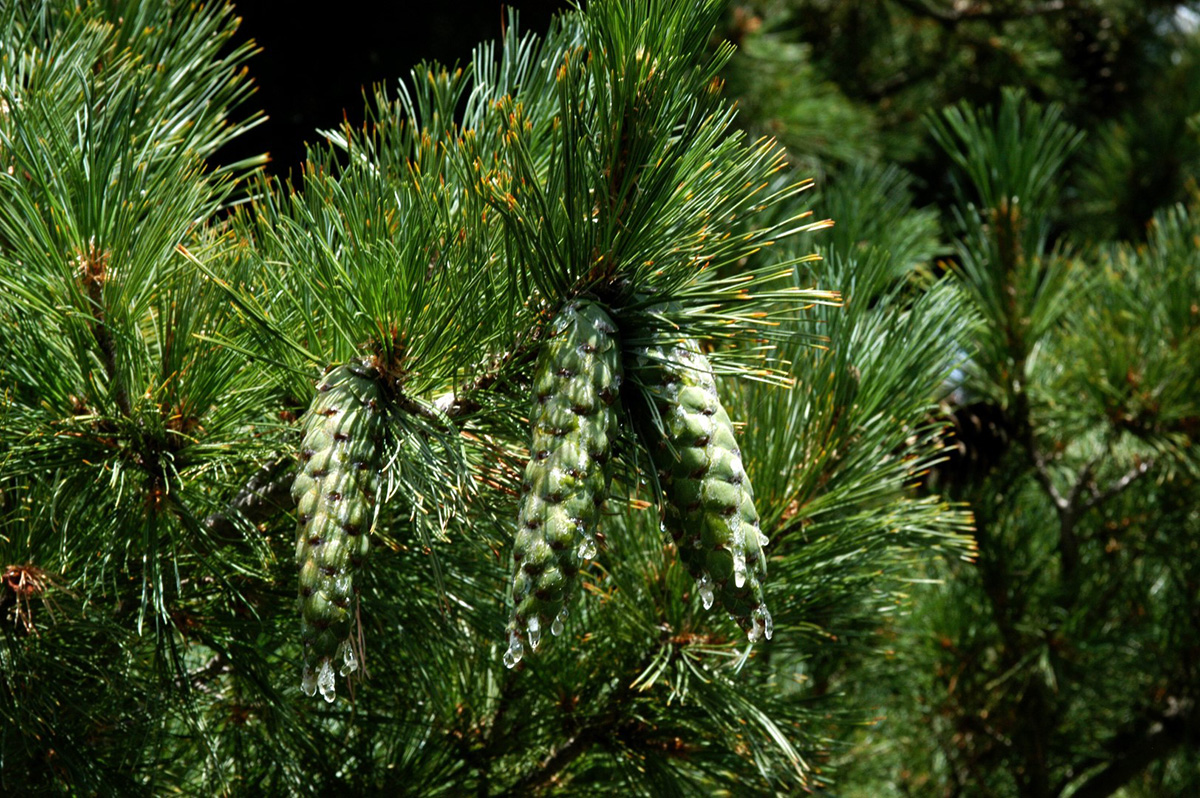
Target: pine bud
576, 385
335, 493
710, 503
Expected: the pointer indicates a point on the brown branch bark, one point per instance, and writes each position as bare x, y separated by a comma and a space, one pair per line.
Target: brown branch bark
94, 273
1097, 497
266, 493
1146, 741
598, 729
1084, 495
552, 765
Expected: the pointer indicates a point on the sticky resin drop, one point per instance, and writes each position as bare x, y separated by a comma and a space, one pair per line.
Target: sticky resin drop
739, 555
754, 633
535, 632
308, 682
761, 624
349, 661
705, 587
325, 681
556, 628
739, 568
515, 651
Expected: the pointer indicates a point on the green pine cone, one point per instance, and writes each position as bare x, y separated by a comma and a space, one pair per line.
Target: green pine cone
335, 493
710, 503
576, 384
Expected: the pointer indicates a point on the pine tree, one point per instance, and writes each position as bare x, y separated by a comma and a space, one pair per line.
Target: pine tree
251, 432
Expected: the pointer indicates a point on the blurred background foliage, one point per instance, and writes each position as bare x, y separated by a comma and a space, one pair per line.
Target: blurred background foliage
842, 80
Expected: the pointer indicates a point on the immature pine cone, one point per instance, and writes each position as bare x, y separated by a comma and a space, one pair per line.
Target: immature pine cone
576, 387
710, 504
335, 493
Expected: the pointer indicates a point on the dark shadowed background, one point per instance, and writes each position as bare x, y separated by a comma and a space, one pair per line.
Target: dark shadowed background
315, 66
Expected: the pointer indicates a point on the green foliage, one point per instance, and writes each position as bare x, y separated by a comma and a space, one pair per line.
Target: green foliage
101, 308
1006, 190
872, 206
782, 95
843, 454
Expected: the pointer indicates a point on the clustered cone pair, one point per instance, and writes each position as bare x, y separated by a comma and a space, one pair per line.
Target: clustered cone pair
709, 507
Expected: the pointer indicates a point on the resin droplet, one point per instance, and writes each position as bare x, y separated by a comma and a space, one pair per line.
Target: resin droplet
706, 591
515, 651
739, 566
587, 549
535, 632
556, 628
325, 681
349, 661
761, 625
308, 682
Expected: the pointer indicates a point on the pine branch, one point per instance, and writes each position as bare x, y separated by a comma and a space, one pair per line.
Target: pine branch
94, 272
604, 727
1066, 507
397, 261
549, 768
460, 403
1148, 739
1097, 497
1042, 473
265, 494
1084, 496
